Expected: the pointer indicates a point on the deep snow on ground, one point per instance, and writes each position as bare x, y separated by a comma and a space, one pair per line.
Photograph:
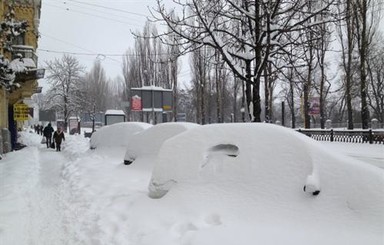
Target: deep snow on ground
83, 196
373, 154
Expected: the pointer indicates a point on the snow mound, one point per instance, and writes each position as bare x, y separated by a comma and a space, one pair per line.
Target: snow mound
149, 141
116, 135
29, 138
232, 152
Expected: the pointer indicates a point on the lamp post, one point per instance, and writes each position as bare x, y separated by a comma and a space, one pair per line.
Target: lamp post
242, 110
282, 114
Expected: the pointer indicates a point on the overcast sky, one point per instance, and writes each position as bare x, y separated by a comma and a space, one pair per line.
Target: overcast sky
92, 29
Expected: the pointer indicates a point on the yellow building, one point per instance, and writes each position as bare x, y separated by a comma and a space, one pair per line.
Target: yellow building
19, 51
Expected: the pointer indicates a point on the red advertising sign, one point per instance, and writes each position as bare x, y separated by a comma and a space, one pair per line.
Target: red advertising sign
136, 103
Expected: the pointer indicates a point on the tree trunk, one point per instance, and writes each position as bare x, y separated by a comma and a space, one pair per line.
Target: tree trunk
291, 100
218, 89
363, 74
258, 59
266, 95
361, 16
307, 118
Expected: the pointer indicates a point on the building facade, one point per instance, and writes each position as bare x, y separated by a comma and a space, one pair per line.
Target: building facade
18, 62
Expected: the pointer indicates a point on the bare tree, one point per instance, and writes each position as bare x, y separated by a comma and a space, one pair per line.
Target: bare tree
347, 41
200, 72
322, 48
151, 63
64, 76
367, 16
265, 28
375, 66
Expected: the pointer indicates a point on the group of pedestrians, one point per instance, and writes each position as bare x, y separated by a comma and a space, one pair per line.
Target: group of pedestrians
38, 129
58, 137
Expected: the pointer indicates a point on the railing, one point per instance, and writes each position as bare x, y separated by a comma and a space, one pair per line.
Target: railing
353, 136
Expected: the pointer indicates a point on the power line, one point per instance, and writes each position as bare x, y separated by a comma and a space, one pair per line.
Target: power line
74, 53
71, 44
107, 13
70, 5
97, 54
85, 13
103, 7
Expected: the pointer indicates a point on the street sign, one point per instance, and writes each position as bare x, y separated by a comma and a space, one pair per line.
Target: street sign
20, 112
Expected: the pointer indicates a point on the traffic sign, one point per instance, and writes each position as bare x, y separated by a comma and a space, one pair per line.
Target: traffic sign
20, 112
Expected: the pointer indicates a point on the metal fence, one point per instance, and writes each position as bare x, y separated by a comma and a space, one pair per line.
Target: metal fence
353, 136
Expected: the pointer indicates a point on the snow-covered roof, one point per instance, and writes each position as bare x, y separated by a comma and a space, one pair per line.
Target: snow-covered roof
152, 87
114, 112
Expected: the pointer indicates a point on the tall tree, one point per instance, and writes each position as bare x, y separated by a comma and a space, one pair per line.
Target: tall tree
151, 63
375, 66
265, 28
64, 76
93, 93
347, 41
367, 17
200, 72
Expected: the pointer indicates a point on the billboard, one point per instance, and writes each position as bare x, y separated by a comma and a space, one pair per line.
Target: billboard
47, 115
314, 106
151, 98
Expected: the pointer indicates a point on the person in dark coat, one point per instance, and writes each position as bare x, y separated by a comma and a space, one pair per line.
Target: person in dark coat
48, 130
58, 137
42, 129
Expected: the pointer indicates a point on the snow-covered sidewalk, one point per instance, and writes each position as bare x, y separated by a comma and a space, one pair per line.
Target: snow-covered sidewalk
31, 205
49, 197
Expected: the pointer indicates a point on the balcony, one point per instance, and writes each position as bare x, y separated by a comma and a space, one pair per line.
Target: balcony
26, 52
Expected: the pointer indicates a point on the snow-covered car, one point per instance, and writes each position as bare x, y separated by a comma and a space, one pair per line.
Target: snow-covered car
283, 181
148, 142
118, 134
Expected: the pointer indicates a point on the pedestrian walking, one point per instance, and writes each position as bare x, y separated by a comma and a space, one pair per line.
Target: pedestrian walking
48, 130
42, 129
58, 137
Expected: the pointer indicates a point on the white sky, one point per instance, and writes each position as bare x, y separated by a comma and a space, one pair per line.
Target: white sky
92, 27
83, 196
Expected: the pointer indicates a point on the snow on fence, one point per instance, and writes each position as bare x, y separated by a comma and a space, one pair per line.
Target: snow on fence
355, 136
